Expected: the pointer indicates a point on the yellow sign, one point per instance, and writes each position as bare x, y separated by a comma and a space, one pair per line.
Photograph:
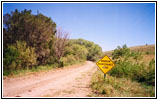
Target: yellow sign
105, 64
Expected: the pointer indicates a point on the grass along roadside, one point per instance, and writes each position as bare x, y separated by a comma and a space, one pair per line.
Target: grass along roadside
45, 68
119, 87
132, 76
123, 81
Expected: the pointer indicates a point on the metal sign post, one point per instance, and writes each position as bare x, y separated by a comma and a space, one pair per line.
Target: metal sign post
104, 77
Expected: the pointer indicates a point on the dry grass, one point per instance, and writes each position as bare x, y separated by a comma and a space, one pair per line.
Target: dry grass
118, 87
147, 58
124, 87
145, 48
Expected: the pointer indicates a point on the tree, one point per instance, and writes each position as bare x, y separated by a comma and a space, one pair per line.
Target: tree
80, 51
94, 50
27, 56
19, 56
60, 42
36, 30
121, 52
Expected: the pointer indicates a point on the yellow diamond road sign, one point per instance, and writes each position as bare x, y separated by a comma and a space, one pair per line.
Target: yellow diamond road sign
105, 64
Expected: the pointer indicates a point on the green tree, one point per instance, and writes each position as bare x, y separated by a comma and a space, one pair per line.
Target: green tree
75, 53
36, 30
27, 56
19, 56
123, 52
10, 56
79, 51
94, 50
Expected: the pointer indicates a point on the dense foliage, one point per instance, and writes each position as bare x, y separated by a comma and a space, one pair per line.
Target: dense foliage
36, 30
129, 64
30, 41
81, 50
19, 56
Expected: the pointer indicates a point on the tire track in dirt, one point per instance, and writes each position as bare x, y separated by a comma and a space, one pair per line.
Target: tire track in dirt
59, 83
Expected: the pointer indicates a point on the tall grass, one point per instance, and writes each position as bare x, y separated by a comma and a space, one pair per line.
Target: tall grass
130, 77
139, 72
129, 64
119, 87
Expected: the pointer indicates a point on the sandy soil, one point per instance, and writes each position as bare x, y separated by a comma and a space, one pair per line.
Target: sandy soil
66, 82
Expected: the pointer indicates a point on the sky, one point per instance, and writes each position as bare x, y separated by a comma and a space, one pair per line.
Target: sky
106, 24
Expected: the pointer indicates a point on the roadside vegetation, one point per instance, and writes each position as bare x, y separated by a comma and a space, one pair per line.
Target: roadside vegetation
32, 43
132, 75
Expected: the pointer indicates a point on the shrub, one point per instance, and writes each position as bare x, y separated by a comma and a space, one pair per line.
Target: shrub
137, 56
19, 56
80, 52
127, 64
83, 49
139, 72
150, 74
51, 60
121, 52
27, 55
68, 60
10, 56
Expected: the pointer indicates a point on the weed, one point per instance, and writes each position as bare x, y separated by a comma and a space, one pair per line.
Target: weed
119, 87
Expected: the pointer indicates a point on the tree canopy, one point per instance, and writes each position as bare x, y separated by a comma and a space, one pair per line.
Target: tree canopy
36, 30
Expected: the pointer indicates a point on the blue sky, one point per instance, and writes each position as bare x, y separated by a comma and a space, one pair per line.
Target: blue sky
106, 24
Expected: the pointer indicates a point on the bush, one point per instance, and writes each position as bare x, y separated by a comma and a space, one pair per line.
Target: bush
127, 69
19, 56
138, 72
51, 60
68, 60
137, 56
149, 76
80, 52
121, 52
10, 56
127, 64
83, 49
27, 55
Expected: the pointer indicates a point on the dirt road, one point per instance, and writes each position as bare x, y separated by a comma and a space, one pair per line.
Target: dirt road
67, 82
